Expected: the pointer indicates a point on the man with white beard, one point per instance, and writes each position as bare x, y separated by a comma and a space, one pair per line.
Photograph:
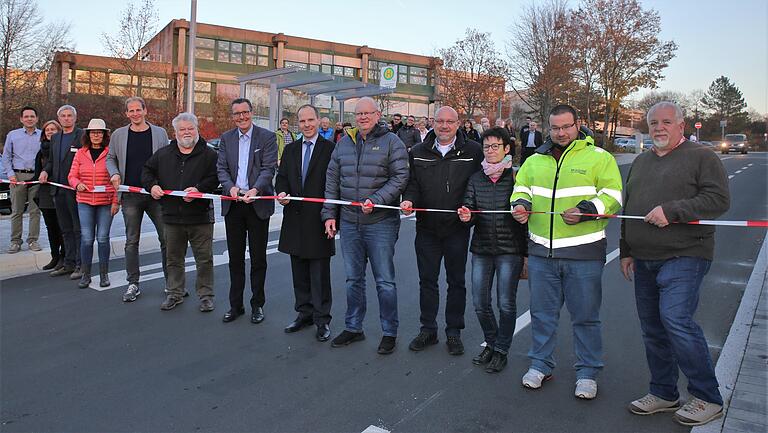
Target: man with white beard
186, 164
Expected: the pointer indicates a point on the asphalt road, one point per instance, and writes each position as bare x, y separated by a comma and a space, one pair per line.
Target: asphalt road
83, 361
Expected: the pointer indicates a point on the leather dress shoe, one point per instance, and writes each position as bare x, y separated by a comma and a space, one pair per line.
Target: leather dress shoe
298, 325
233, 314
323, 332
258, 315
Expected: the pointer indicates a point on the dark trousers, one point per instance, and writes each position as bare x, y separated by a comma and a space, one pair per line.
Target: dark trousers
54, 233
200, 238
430, 251
242, 223
134, 208
312, 288
525, 152
69, 222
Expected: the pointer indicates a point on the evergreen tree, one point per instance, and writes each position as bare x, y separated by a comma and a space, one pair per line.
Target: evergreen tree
725, 102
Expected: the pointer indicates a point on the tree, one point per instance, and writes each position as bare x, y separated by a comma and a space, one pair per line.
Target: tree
541, 62
473, 74
627, 53
27, 46
724, 101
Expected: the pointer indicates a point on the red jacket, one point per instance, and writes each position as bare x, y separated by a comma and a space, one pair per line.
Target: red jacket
92, 174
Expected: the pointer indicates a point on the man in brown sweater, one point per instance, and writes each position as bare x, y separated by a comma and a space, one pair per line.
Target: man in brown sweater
676, 182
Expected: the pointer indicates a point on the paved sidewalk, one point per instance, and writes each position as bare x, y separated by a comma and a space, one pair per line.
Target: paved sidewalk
742, 369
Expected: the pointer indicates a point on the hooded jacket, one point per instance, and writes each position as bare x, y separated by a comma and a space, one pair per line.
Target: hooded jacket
173, 170
374, 168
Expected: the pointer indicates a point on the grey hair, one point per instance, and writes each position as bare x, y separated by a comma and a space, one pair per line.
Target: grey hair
184, 117
370, 100
65, 108
679, 116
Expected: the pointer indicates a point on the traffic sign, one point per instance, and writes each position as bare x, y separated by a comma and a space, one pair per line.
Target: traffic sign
388, 76
698, 125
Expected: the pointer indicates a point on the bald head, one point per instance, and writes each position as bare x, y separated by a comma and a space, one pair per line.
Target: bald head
367, 114
449, 112
446, 124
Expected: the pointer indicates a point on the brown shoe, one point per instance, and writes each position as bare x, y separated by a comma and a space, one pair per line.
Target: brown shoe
206, 305
171, 302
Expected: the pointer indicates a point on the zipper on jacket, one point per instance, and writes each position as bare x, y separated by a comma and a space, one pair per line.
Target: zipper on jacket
558, 164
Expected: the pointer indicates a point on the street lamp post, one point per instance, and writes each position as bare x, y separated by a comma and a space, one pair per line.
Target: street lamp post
191, 61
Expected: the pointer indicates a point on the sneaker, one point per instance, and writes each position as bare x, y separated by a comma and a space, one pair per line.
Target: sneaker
421, 341
85, 281
171, 302
533, 379
698, 412
34, 246
484, 357
497, 363
14, 248
586, 389
650, 404
387, 345
131, 293
76, 274
65, 270
346, 338
206, 305
455, 346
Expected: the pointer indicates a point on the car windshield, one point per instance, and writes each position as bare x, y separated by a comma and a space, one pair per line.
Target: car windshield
735, 137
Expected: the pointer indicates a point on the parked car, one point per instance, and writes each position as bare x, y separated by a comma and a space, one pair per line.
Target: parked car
624, 143
708, 144
736, 143
5, 199
214, 143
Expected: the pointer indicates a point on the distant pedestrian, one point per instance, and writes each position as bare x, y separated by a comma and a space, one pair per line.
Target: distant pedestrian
325, 129
530, 140
21, 147
96, 200
397, 122
679, 181
408, 133
498, 248
64, 145
186, 164
337, 132
470, 131
284, 136
44, 199
422, 127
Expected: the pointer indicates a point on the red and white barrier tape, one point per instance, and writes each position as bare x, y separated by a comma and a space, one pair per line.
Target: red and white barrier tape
208, 196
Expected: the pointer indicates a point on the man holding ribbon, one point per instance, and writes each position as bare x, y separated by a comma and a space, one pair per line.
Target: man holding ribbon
565, 179
678, 181
246, 165
186, 164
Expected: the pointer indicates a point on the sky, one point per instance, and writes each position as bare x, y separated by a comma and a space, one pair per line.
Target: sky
714, 37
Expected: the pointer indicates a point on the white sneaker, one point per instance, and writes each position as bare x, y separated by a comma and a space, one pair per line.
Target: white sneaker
650, 404
534, 378
586, 389
698, 412
132, 293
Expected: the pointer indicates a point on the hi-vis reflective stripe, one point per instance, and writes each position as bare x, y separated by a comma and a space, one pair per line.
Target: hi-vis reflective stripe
575, 191
569, 242
616, 194
522, 189
599, 205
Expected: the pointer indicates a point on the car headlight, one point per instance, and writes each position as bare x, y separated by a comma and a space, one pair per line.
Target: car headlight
724, 145
741, 145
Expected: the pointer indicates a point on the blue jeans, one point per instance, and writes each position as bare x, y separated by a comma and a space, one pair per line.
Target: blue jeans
667, 294
361, 243
95, 222
578, 284
506, 268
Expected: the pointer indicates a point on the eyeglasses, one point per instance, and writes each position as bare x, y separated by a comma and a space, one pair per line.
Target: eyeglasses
241, 113
494, 147
561, 128
365, 113
446, 122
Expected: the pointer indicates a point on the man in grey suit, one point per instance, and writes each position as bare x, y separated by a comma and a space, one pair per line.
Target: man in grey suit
129, 149
246, 166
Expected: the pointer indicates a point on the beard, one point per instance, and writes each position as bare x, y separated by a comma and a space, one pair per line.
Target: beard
661, 144
187, 142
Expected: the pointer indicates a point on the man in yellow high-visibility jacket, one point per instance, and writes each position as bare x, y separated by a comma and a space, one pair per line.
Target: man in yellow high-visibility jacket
567, 177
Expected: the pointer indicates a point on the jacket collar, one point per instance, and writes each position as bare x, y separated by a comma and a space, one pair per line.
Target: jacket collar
376, 132
582, 141
431, 140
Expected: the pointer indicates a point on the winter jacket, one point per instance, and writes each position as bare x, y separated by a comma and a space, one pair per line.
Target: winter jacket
375, 168
281, 141
472, 134
172, 170
91, 173
410, 136
440, 182
494, 233
585, 177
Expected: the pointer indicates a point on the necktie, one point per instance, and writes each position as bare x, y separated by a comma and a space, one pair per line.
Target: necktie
305, 163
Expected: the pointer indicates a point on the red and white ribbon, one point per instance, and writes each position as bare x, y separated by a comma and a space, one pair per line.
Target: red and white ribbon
208, 196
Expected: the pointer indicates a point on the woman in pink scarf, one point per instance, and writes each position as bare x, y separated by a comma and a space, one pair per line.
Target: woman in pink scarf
498, 247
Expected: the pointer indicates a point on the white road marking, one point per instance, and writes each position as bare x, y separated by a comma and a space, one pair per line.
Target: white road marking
731, 176
374, 429
750, 164
737, 171
744, 168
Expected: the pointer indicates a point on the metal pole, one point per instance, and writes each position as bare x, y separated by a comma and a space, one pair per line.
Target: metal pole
191, 61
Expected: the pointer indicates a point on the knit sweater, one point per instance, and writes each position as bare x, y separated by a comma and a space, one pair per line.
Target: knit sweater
689, 183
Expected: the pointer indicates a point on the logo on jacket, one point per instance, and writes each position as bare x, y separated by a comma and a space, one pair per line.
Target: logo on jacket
579, 171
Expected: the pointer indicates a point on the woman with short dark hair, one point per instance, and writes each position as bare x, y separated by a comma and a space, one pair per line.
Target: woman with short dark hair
44, 199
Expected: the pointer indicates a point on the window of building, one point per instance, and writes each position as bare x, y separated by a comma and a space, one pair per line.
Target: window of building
326, 69
90, 82
122, 85
402, 74
204, 48
295, 65
203, 92
154, 88
417, 75
374, 68
256, 55
229, 52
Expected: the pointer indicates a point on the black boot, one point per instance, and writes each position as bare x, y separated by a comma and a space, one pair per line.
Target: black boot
52, 264
85, 280
104, 275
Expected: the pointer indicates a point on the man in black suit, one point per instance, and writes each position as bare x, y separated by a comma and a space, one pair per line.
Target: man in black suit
246, 165
302, 173
530, 139
63, 148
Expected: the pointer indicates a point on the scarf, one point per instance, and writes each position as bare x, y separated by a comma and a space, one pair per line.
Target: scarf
494, 170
